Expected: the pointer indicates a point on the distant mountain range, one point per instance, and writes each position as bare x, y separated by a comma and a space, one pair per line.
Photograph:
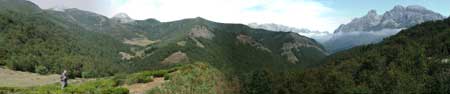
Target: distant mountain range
368, 29
373, 28
398, 17
236, 57
320, 36
416, 60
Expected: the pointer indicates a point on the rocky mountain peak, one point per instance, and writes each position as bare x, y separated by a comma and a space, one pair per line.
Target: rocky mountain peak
372, 13
398, 17
122, 18
399, 8
415, 7
121, 15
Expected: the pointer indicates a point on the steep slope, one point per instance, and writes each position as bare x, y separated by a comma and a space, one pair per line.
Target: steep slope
79, 19
232, 45
19, 5
33, 41
372, 28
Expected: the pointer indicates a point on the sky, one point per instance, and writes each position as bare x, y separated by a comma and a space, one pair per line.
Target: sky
322, 15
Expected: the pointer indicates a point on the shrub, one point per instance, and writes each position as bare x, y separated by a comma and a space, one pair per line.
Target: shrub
166, 77
115, 91
138, 78
120, 78
120, 91
99, 86
88, 74
159, 73
41, 69
7, 90
197, 78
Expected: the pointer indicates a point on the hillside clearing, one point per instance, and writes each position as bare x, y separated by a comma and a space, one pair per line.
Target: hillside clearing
141, 88
11, 78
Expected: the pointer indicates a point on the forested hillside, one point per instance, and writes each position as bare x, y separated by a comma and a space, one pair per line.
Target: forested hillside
30, 41
230, 58
49, 41
414, 61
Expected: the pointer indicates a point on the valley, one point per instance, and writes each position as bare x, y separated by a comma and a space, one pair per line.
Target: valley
404, 50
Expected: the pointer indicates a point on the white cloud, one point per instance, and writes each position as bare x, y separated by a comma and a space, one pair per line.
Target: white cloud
103, 7
346, 40
295, 13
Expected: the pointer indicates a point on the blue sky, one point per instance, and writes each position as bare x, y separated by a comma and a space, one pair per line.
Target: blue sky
322, 15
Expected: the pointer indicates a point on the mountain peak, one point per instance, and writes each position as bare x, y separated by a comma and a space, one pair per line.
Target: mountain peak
121, 15
372, 13
19, 5
398, 17
398, 7
58, 8
200, 19
122, 18
415, 7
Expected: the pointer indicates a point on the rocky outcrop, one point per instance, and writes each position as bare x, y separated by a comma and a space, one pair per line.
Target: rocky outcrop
249, 40
201, 32
122, 18
177, 57
398, 17
370, 20
290, 49
373, 28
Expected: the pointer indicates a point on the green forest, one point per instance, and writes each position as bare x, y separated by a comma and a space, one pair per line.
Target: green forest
413, 61
212, 57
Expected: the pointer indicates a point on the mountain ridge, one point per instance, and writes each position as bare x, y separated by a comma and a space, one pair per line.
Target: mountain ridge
319, 36
398, 17
373, 28
144, 44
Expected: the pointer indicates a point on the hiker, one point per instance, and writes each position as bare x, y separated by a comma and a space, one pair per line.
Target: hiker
64, 79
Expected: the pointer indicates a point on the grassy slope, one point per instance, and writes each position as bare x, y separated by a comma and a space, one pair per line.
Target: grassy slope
12, 78
197, 78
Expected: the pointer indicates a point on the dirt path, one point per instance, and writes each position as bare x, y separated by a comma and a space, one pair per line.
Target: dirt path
12, 78
141, 88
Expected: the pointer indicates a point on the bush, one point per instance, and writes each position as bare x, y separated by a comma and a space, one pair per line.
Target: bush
115, 91
198, 78
120, 78
138, 78
41, 69
7, 90
88, 74
99, 86
166, 77
159, 73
